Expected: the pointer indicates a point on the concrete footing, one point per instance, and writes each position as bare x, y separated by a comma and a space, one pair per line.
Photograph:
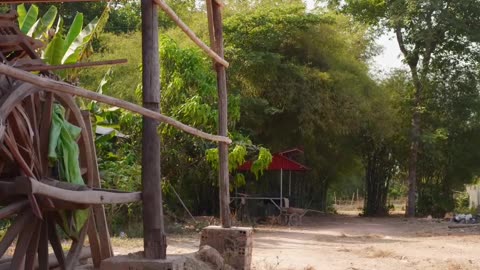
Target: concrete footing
234, 244
137, 262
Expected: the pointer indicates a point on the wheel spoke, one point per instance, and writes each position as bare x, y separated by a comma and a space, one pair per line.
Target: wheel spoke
32, 249
17, 156
12, 209
23, 134
31, 110
18, 260
20, 222
45, 124
56, 244
94, 241
6, 153
43, 247
76, 248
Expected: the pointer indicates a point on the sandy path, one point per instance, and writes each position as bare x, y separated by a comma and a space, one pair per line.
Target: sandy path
351, 243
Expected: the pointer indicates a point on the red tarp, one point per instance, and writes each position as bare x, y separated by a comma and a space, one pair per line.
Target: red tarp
279, 162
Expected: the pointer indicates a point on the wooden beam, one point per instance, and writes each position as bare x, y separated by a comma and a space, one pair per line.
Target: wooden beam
61, 87
70, 66
463, 226
219, 59
154, 237
211, 29
223, 174
31, 186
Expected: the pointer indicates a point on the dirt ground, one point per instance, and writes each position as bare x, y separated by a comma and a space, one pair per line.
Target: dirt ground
345, 242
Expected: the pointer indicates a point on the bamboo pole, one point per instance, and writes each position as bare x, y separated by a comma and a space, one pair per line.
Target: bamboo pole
77, 65
62, 87
218, 58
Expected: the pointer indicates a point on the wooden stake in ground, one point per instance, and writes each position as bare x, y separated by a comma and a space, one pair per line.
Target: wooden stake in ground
155, 244
223, 177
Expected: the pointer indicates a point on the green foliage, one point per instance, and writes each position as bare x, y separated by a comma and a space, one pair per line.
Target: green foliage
263, 161
33, 26
124, 18
126, 77
305, 85
61, 49
27, 19
434, 36
462, 204
64, 151
75, 45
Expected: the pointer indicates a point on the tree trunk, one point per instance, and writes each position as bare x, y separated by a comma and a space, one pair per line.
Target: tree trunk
378, 172
412, 58
414, 146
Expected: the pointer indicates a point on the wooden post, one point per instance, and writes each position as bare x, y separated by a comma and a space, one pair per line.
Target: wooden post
223, 176
290, 184
155, 244
281, 188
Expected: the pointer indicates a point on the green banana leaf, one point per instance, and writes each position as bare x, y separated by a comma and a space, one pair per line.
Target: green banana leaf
27, 19
54, 52
45, 23
32, 29
75, 29
76, 48
22, 13
59, 28
63, 149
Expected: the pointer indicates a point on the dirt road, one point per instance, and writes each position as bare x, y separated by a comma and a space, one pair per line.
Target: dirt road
353, 243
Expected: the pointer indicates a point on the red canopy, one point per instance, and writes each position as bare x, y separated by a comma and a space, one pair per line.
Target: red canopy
279, 162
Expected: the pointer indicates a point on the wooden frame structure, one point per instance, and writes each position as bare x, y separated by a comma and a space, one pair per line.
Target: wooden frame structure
154, 235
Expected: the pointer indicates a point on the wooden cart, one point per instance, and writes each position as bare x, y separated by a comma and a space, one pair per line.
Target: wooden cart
32, 200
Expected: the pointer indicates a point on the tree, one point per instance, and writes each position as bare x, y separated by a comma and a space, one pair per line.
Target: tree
378, 143
427, 32
303, 81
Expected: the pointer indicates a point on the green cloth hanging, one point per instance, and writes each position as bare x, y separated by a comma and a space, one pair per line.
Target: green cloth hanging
63, 150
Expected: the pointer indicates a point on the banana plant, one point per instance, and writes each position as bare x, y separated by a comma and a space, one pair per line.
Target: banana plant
61, 49
76, 44
33, 26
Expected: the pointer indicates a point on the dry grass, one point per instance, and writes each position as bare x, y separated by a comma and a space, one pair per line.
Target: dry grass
451, 265
276, 266
372, 252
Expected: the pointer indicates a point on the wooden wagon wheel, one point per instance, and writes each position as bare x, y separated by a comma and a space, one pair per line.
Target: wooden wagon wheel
25, 121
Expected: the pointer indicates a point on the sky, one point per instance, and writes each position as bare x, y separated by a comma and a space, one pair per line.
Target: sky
390, 56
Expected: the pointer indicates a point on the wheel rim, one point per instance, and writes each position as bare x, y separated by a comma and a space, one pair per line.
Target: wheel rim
24, 138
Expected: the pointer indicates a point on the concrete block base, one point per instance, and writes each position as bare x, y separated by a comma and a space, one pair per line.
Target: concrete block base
234, 244
137, 262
